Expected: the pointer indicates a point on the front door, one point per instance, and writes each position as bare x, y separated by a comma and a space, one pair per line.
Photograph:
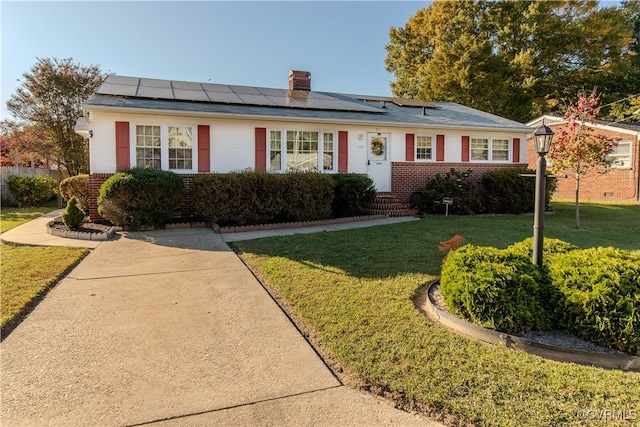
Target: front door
378, 164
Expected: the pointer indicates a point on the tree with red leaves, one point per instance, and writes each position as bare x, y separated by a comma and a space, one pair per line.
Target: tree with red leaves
578, 149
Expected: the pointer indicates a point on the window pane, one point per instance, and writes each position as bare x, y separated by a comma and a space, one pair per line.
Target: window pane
180, 147
302, 150
500, 149
327, 156
423, 147
147, 139
479, 149
621, 155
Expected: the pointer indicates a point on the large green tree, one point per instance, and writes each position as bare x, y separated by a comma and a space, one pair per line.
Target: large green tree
517, 59
50, 98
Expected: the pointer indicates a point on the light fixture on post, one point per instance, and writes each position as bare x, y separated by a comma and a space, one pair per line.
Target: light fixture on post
542, 138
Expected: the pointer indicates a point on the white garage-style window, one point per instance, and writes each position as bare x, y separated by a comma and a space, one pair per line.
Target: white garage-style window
490, 149
424, 147
302, 150
166, 147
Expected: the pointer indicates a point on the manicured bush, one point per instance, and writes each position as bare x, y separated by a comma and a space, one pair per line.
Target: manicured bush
497, 289
32, 191
505, 191
78, 187
601, 295
73, 216
458, 185
248, 197
140, 197
307, 196
353, 194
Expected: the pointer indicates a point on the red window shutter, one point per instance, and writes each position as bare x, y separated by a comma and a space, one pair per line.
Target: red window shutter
204, 149
440, 148
410, 147
465, 148
261, 149
123, 152
516, 150
343, 151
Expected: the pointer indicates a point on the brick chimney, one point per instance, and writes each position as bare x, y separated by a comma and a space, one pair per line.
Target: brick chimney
299, 80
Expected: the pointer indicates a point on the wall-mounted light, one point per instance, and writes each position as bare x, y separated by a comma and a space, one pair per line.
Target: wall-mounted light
90, 133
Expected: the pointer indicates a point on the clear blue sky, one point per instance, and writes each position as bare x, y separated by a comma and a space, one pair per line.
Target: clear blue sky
341, 43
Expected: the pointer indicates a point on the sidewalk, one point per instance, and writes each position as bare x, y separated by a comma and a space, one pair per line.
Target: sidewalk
169, 328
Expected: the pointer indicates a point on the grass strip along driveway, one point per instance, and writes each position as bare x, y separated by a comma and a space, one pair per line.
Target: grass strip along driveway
28, 272
354, 291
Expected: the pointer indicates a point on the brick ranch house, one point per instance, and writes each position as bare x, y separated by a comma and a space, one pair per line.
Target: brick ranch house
621, 183
193, 128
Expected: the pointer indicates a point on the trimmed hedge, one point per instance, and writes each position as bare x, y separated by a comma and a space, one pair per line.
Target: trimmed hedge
32, 191
78, 187
353, 194
500, 191
257, 197
496, 289
592, 293
601, 289
140, 198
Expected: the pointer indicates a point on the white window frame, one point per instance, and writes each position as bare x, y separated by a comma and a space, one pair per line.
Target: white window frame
489, 149
626, 157
416, 147
164, 143
320, 153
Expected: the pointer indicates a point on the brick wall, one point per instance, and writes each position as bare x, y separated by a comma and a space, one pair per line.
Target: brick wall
619, 185
97, 179
409, 177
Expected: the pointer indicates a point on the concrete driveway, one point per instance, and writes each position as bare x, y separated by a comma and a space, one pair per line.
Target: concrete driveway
170, 328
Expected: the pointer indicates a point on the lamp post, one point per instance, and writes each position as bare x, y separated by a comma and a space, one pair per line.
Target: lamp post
542, 142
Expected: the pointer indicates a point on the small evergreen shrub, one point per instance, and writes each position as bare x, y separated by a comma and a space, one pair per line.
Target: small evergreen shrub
601, 295
460, 186
32, 191
307, 196
78, 187
73, 216
496, 289
353, 194
140, 198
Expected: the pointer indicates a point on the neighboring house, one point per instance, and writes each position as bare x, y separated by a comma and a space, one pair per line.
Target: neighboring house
621, 183
193, 128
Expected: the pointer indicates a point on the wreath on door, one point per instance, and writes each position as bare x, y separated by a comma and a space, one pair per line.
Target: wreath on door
377, 146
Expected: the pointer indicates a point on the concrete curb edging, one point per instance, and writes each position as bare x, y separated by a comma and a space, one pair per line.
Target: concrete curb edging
80, 235
622, 362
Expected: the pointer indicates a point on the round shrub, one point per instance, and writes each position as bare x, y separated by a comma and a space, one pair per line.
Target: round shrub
73, 216
352, 195
78, 187
32, 191
601, 295
460, 186
140, 198
496, 289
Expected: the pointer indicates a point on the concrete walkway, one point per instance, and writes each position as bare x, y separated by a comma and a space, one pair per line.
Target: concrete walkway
170, 328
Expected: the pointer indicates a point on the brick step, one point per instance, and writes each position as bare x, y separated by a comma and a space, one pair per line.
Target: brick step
386, 204
393, 213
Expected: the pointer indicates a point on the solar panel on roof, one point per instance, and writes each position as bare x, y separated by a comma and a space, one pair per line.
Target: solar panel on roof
230, 94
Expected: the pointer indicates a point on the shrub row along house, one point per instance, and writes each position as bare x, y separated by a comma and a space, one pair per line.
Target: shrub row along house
192, 128
621, 183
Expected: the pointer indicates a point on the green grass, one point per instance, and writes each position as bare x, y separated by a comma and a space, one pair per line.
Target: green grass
28, 272
355, 289
13, 217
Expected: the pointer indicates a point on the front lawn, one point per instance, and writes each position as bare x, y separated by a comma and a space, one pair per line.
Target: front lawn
354, 291
29, 271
